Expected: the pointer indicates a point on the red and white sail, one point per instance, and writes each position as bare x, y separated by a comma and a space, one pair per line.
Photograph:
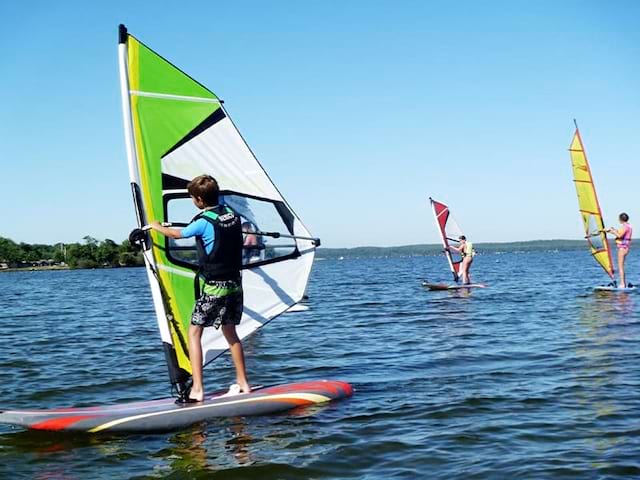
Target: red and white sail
449, 232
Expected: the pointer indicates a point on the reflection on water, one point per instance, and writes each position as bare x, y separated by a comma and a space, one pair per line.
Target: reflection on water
187, 453
603, 316
238, 444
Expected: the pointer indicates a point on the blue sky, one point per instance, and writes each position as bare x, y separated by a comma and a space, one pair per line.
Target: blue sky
359, 111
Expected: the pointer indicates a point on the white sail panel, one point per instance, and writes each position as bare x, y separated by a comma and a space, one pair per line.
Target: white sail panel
274, 289
221, 152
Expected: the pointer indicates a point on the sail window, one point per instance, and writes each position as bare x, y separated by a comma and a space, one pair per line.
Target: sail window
262, 216
595, 234
258, 216
180, 212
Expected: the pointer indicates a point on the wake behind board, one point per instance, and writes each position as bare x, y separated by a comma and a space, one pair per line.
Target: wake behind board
165, 414
610, 288
444, 286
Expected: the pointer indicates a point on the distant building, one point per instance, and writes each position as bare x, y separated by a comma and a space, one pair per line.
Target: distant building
44, 263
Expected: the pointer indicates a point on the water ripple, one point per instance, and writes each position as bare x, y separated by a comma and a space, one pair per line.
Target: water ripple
533, 377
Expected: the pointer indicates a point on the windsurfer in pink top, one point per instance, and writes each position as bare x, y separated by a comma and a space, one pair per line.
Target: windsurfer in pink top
623, 242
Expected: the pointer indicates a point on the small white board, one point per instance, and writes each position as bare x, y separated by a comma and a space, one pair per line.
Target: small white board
444, 286
609, 288
298, 307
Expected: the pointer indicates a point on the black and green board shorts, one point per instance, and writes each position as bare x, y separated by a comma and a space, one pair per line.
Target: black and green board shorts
219, 304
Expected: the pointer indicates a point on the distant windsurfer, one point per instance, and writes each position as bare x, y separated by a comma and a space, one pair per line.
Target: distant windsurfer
465, 249
218, 233
623, 242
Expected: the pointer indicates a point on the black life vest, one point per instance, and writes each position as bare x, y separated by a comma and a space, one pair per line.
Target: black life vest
225, 259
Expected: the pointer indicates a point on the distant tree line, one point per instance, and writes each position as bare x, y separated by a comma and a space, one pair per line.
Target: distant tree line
91, 253
436, 249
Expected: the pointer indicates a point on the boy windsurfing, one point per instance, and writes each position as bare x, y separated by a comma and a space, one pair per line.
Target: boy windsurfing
218, 233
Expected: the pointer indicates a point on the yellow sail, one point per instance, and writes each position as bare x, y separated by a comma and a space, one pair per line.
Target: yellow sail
589, 206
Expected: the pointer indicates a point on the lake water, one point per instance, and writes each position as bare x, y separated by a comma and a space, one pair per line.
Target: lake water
536, 376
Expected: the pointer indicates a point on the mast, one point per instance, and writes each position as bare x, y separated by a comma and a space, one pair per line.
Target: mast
177, 376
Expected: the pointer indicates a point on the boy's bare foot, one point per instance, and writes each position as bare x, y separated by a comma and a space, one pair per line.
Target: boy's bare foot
196, 395
244, 387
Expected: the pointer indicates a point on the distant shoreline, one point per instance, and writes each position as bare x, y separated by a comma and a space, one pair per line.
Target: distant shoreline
398, 251
27, 269
89, 254
434, 249
61, 268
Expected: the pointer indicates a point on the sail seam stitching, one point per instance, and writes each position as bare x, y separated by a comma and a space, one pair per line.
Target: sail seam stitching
167, 96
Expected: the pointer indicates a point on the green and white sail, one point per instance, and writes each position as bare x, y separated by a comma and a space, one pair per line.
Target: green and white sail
177, 129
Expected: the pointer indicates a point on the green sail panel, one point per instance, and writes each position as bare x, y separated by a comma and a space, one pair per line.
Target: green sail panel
157, 75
